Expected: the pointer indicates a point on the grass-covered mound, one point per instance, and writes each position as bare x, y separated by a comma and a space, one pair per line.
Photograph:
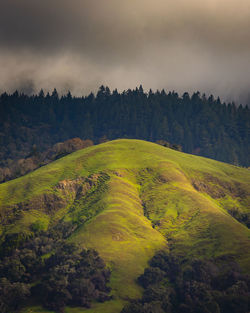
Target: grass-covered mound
128, 199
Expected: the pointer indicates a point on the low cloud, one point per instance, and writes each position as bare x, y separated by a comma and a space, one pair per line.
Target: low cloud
80, 44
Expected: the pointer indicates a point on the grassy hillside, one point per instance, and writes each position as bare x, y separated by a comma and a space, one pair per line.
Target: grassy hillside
130, 198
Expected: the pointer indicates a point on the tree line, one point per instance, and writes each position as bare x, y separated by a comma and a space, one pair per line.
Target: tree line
201, 125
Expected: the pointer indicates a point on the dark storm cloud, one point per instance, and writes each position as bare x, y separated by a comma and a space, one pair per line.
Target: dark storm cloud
80, 44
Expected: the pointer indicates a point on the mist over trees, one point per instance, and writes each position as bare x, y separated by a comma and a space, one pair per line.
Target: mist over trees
201, 125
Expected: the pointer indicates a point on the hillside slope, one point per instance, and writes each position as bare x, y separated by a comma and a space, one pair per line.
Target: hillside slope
129, 199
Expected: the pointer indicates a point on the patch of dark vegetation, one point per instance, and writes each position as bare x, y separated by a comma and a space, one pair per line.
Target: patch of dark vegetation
218, 188
234, 188
243, 218
145, 211
167, 144
52, 271
87, 202
176, 285
213, 191
11, 169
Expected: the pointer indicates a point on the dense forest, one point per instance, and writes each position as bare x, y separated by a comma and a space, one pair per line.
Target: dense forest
50, 270
178, 285
201, 125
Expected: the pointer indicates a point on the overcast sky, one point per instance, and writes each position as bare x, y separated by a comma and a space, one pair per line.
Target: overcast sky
77, 45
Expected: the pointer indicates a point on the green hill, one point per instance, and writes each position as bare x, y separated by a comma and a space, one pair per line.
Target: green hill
128, 199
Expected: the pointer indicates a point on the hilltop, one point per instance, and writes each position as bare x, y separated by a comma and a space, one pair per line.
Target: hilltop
128, 199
